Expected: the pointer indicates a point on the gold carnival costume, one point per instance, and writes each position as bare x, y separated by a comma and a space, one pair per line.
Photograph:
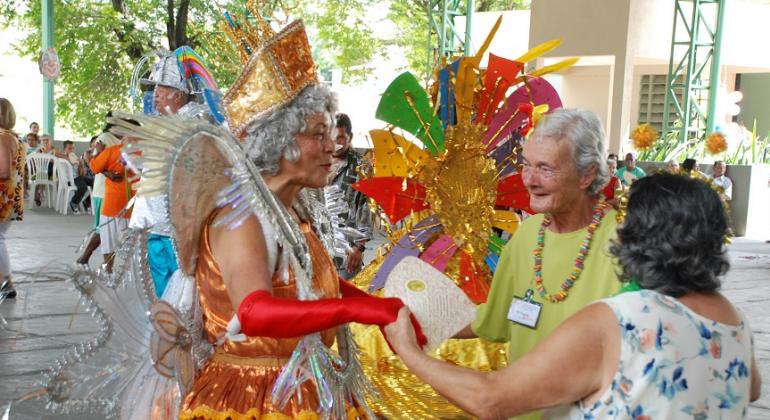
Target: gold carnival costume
191, 358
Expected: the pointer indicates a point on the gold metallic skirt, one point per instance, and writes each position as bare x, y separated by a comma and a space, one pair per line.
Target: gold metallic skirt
238, 388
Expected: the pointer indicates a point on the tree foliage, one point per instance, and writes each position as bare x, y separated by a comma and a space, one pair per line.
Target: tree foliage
341, 36
412, 19
100, 41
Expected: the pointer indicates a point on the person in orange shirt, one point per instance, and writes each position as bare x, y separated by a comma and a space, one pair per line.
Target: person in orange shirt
117, 193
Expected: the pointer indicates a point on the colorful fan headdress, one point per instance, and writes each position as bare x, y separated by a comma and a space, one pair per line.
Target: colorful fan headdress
461, 188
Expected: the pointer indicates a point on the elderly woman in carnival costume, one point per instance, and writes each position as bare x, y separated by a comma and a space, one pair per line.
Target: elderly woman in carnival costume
269, 295
242, 270
253, 338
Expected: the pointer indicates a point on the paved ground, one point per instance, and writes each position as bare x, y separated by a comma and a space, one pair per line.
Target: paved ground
45, 319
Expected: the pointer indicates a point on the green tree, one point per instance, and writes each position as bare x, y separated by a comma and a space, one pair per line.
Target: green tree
500, 5
341, 36
99, 42
411, 17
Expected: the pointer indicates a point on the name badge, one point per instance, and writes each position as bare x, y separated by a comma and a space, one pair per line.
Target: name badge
524, 311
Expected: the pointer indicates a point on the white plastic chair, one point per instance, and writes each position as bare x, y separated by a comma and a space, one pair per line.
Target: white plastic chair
67, 187
38, 172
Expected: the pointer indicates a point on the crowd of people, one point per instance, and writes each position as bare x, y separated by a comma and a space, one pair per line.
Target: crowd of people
630, 172
35, 143
604, 319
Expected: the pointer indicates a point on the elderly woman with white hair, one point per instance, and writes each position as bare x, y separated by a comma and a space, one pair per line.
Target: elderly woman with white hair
250, 332
237, 273
253, 311
557, 261
672, 167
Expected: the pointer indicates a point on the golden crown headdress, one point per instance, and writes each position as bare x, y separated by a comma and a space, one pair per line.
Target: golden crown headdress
277, 70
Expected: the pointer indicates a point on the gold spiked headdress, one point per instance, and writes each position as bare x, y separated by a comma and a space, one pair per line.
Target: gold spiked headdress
278, 69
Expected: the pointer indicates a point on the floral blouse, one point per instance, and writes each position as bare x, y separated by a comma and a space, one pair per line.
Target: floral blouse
674, 363
12, 189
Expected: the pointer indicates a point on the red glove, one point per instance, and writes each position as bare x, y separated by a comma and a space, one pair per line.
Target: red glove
347, 289
262, 314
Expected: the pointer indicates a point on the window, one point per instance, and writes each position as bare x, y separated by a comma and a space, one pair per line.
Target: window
652, 97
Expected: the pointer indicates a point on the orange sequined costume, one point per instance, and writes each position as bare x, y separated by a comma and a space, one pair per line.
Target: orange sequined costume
235, 383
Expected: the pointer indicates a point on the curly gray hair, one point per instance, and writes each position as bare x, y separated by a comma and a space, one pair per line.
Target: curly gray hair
585, 133
274, 135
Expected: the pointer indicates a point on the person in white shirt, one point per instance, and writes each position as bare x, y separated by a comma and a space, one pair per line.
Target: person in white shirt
175, 92
721, 182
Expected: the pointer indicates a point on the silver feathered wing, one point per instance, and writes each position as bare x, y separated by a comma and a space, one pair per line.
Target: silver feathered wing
110, 375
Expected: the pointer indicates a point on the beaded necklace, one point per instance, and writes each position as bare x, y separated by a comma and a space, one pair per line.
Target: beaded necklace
598, 214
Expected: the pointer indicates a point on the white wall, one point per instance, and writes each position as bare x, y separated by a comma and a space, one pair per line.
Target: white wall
756, 102
588, 27
511, 39
746, 31
751, 200
592, 28
649, 29
585, 87
638, 33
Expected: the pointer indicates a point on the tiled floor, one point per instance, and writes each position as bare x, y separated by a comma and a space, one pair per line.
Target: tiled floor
46, 319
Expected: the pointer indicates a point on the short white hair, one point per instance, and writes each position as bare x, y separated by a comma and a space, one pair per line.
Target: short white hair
274, 135
584, 131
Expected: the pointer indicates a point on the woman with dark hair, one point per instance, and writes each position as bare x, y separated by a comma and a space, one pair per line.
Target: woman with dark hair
690, 167
674, 348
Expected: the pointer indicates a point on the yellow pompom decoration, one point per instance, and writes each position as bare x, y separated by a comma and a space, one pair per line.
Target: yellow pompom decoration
644, 137
716, 143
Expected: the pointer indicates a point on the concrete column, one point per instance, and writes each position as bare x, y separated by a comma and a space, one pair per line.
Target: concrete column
620, 102
598, 31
